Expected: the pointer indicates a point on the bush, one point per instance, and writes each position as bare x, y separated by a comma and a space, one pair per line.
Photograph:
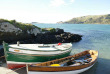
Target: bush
49, 29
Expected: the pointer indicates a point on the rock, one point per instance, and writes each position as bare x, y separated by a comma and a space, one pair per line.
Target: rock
7, 27
53, 38
34, 31
11, 32
59, 31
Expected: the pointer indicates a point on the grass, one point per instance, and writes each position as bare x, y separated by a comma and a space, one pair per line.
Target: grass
23, 26
49, 29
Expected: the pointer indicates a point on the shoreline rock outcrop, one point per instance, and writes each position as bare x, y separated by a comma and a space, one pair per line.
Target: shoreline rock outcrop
56, 37
12, 31
50, 37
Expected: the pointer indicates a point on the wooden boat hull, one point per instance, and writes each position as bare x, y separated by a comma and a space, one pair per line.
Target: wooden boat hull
62, 72
20, 57
46, 67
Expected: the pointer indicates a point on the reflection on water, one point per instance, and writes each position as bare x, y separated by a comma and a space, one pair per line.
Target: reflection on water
91, 70
1, 46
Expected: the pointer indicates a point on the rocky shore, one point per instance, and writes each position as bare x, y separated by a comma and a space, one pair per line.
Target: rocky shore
44, 38
11, 32
52, 37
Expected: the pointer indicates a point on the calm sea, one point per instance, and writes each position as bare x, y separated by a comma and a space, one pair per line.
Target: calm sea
95, 37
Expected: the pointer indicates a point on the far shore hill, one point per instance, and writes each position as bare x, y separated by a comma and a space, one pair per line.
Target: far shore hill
90, 19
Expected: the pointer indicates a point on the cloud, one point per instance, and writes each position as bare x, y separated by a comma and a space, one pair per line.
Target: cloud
72, 1
57, 3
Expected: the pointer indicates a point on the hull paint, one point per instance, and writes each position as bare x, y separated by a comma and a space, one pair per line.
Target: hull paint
37, 52
18, 60
12, 65
32, 58
62, 72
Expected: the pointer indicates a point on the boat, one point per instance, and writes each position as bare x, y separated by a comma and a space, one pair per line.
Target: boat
18, 55
69, 65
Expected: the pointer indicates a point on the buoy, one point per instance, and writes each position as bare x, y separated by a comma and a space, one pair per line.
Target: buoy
59, 43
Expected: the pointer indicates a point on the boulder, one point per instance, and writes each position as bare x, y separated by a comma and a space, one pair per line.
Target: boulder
59, 31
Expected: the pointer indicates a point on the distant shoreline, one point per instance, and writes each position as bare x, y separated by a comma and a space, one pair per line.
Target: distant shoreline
91, 19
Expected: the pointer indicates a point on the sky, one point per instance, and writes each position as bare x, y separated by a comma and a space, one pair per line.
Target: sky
51, 11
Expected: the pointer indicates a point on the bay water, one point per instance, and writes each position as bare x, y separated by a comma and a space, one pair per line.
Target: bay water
95, 37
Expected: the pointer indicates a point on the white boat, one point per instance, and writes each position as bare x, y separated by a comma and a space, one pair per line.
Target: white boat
69, 65
22, 54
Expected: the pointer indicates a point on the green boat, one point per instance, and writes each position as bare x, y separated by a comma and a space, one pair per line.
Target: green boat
18, 55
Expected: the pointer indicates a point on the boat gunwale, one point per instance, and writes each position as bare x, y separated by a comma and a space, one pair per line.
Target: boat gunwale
39, 50
8, 46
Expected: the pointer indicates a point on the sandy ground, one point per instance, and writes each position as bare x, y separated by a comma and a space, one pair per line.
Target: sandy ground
5, 70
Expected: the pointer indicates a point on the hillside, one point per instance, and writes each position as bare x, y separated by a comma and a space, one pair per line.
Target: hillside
91, 19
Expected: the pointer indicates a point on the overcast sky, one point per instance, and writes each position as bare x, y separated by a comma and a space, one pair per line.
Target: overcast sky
51, 11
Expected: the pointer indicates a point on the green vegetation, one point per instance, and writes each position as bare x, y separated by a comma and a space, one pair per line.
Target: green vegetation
49, 29
23, 26
93, 19
26, 26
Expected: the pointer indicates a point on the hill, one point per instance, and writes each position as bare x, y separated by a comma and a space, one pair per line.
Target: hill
91, 19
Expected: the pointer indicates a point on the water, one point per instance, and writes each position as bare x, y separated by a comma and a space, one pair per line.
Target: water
96, 37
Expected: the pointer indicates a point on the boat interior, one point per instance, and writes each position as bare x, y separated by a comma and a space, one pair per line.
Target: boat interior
63, 46
75, 60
